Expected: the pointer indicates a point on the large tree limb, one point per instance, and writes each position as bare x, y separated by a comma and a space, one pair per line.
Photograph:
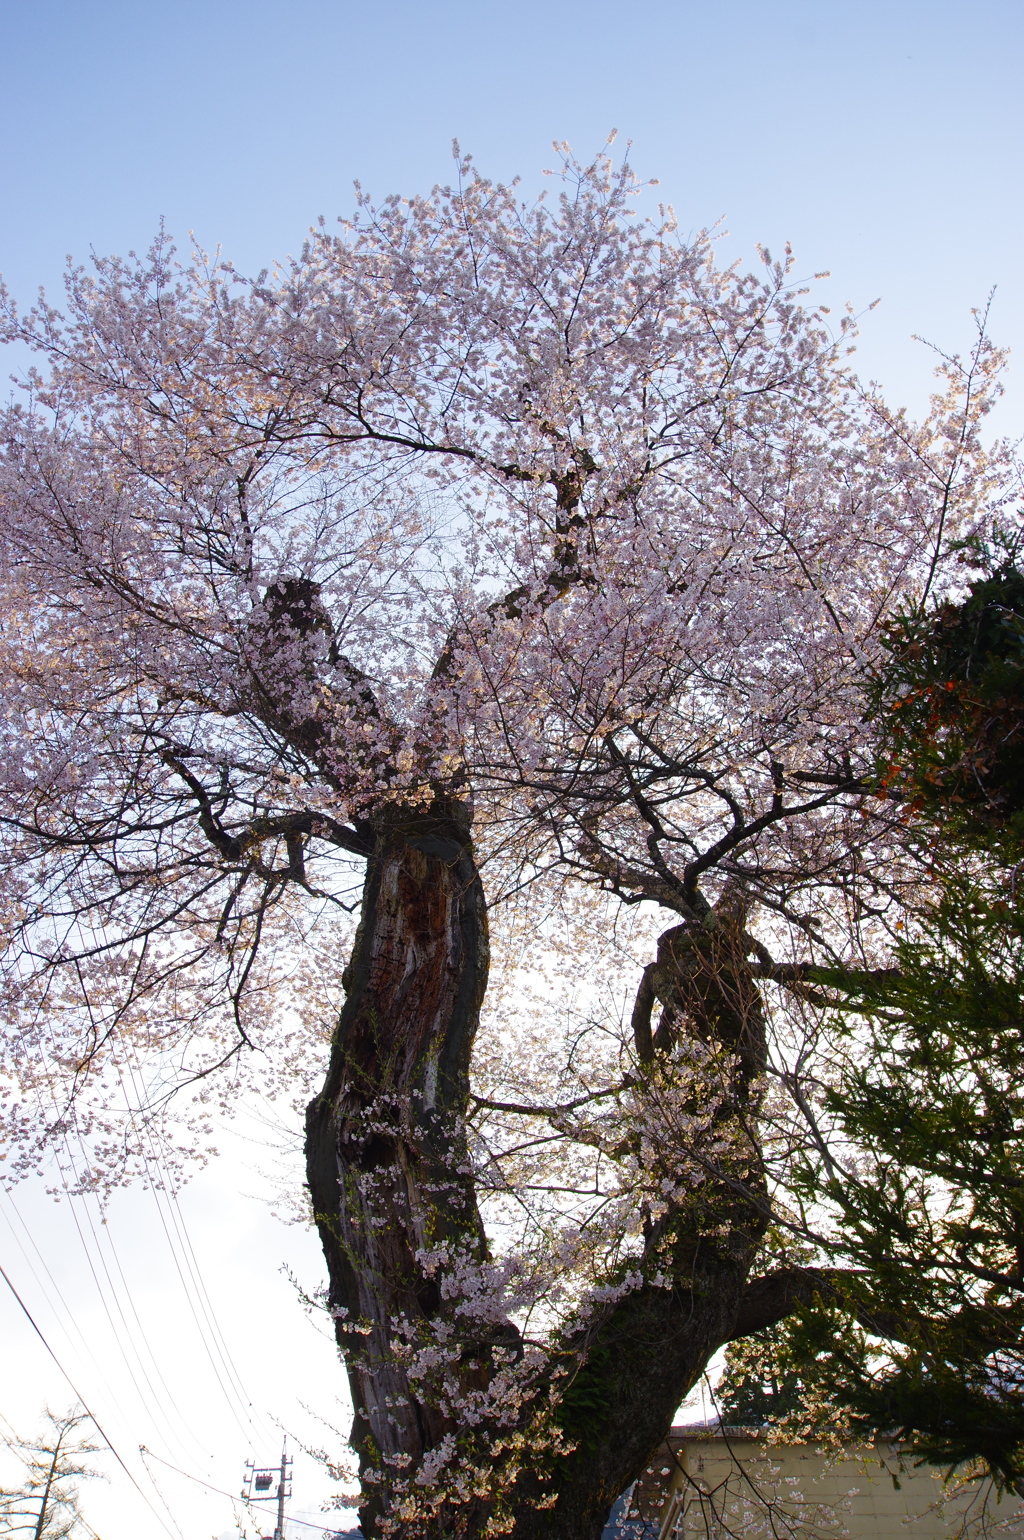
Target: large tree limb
772, 1298
233, 844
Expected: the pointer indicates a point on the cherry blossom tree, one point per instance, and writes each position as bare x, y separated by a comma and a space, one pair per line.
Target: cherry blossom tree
494, 563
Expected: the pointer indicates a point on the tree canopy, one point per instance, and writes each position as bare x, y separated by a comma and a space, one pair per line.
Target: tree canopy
516, 564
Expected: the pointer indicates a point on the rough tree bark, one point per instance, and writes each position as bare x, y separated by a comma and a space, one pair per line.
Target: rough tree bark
391, 1183
641, 1356
388, 1171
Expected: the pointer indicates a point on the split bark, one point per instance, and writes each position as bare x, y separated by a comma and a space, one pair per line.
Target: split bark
388, 1169
391, 1183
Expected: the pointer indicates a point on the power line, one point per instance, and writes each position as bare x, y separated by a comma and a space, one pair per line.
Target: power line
94, 1419
107, 1232
66, 1318
151, 1161
14, 1447
235, 1393
326, 1529
172, 1219
124, 1338
116, 1335
219, 1341
68, 1313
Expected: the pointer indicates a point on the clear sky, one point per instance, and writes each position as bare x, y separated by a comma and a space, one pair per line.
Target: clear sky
882, 138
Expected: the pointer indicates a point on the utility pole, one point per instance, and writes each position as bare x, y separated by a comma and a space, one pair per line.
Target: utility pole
281, 1493
258, 1482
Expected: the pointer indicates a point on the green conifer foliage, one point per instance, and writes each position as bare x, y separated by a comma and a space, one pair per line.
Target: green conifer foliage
928, 1205
918, 1182
951, 705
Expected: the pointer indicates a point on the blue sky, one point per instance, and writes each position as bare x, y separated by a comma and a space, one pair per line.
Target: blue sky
883, 139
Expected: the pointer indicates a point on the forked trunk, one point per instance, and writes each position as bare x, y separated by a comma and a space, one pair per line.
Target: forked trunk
387, 1166
393, 1192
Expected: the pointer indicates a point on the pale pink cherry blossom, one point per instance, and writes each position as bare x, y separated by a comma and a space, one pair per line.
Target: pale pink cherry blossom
486, 542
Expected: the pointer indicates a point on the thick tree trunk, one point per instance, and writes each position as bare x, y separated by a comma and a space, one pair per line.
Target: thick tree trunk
392, 1188
640, 1356
387, 1165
